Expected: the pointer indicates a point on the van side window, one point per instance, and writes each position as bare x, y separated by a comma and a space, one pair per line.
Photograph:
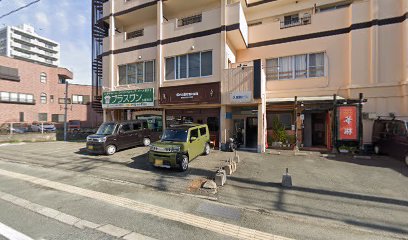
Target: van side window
203, 131
145, 125
137, 126
194, 133
126, 127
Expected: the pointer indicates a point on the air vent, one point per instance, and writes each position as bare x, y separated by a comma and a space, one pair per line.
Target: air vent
135, 34
189, 20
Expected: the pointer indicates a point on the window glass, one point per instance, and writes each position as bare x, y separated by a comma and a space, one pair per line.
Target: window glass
122, 75
22, 97
285, 68
154, 123
149, 71
182, 64
203, 131
272, 69
301, 66
194, 65
42, 117
43, 77
170, 68
126, 127
139, 67
213, 124
131, 73
194, 133
206, 63
43, 98
316, 65
285, 118
14, 97
5, 96
30, 98
137, 126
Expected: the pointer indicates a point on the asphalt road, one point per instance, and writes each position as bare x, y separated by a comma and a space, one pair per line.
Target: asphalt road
53, 191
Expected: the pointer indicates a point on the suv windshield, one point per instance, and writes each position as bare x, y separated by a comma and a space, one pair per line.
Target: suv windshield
176, 135
106, 129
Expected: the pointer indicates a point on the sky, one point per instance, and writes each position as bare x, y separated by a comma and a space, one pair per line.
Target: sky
65, 21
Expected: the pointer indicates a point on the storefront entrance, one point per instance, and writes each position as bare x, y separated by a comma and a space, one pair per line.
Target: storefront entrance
252, 132
315, 132
209, 116
245, 126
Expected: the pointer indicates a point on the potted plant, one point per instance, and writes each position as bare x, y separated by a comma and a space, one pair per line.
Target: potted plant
279, 135
343, 149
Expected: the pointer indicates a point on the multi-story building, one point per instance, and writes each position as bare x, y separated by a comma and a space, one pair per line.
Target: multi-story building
238, 65
22, 42
31, 92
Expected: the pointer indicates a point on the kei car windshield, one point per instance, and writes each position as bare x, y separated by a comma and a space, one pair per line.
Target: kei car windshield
106, 129
175, 135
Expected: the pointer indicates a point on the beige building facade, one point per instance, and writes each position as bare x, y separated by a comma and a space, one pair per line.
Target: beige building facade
239, 65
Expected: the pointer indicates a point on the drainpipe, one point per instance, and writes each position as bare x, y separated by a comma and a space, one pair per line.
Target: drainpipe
334, 125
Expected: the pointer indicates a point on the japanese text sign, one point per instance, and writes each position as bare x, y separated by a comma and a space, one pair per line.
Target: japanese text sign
128, 98
347, 119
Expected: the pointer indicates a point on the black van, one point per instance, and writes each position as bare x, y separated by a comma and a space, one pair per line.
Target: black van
390, 136
114, 136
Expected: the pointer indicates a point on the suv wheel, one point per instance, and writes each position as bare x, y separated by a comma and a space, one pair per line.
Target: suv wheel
110, 149
184, 163
146, 141
207, 149
377, 149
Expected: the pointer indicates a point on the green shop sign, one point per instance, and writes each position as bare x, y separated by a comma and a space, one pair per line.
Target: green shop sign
128, 98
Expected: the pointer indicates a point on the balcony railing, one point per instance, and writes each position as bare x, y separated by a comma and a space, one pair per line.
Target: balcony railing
296, 22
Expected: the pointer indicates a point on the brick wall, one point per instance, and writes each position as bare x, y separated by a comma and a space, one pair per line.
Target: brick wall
30, 84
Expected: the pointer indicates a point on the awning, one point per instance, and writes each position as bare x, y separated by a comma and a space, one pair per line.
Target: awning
303, 99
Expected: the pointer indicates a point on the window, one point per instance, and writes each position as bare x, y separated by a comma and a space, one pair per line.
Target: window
194, 133
295, 20
22, 97
126, 127
135, 34
154, 122
13, 97
51, 98
316, 65
291, 19
189, 65
42, 117
136, 73
331, 7
203, 131
62, 100
43, 98
137, 126
283, 117
189, 20
80, 99
21, 115
61, 80
5, 96
293, 67
30, 98
16, 97
43, 77
58, 118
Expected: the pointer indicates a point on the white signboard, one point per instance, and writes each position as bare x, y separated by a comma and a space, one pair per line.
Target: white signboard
241, 97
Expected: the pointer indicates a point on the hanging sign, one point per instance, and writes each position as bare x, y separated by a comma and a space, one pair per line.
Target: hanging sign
347, 123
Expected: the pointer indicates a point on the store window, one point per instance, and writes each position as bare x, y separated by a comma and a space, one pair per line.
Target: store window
283, 117
154, 122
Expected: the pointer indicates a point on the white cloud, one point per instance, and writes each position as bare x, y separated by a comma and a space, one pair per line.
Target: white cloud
42, 19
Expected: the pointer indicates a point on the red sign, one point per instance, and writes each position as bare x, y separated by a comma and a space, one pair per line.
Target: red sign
348, 123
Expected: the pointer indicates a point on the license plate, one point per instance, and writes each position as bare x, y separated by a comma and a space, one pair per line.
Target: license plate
158, 162
90, 147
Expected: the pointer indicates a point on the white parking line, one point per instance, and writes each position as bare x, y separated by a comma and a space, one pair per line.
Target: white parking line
11, 144
12, 234
161, 212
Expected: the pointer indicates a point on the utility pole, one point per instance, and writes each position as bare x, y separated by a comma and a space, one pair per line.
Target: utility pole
65, 110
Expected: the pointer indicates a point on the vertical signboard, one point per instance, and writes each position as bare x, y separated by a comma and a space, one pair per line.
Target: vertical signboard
347, 123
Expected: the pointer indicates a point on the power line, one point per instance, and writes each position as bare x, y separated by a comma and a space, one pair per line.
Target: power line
18, 9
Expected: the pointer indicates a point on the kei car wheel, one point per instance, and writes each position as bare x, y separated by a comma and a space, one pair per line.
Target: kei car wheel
207, 149
110, 149
146, 141
184, 163
377, 149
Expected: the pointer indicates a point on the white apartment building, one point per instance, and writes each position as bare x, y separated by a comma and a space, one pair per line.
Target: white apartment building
22, 42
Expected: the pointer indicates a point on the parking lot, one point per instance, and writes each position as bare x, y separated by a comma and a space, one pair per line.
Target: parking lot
365, 193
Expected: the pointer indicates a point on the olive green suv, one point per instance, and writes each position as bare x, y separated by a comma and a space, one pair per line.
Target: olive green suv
179, 145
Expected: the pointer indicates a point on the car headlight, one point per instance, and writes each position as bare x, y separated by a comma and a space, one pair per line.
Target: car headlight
175, 149
102, 139
88, 139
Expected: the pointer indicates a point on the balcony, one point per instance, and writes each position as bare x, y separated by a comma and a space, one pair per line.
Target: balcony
122, 40
238, 34
237, 80
125, 10
296, 22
